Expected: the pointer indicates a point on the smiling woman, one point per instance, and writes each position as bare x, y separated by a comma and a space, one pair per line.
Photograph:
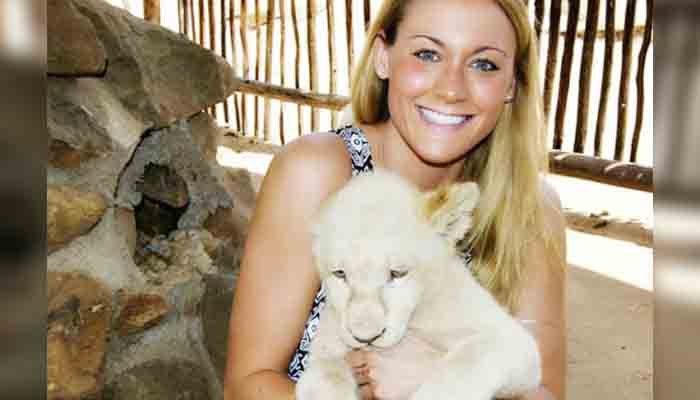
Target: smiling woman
445, 91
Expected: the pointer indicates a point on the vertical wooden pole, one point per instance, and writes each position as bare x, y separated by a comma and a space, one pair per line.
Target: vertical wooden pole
234, 61
297, 62
367, 16
589, 39
350, 39
330, 13
246, 62
180, 15
224, 50
622, 105
201, 22
641, 65
313, 62
212, 40
552, 54
565, 72
151, 11
185, 17
258, 56
193, 22
607, 74
283, 61
269, 30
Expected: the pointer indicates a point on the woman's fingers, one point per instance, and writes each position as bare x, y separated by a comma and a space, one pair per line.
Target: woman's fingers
356, 358
367, 392
361, 375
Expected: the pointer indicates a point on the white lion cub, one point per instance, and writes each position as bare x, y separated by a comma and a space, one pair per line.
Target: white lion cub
386, 255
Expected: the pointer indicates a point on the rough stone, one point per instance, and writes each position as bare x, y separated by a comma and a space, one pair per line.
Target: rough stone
160, 380
164, 185
160, 75
175, 149
215, 314
70, 213
73, 48
141, 312
91, 135
103, 254
206, 134
127, 224
79, 315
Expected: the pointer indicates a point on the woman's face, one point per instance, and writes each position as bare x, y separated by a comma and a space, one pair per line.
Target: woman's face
450, 72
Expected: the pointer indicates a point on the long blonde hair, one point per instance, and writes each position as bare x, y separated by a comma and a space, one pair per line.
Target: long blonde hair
507, 165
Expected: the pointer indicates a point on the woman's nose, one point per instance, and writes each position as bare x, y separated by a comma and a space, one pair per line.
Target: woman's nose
451, 85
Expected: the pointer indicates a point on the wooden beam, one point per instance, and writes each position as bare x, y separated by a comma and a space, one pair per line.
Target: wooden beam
151, 11
610, 172
327, 101
603, 224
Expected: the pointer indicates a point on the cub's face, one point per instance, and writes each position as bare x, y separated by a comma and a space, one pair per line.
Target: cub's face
374, 288
378, 245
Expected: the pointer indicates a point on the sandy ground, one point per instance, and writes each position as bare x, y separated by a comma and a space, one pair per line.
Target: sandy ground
609, 292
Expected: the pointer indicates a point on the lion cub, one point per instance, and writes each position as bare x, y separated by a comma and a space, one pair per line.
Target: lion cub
386, 256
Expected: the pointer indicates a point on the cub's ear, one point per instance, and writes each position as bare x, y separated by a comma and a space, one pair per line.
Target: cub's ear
449, 209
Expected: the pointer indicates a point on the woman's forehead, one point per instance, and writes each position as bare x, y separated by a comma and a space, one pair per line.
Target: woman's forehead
458, 23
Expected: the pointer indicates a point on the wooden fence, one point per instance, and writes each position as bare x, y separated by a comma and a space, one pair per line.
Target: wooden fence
293, 59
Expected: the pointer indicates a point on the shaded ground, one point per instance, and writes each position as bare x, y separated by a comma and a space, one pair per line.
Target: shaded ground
610, 338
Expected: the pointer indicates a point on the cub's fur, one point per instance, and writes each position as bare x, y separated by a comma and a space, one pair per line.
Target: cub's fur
386, 255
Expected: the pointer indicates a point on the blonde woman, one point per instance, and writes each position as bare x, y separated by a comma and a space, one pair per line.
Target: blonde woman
445, 90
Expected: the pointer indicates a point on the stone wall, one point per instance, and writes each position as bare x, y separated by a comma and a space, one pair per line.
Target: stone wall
145, 229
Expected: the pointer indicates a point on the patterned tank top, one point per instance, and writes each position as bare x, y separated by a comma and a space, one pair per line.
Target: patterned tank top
361, 162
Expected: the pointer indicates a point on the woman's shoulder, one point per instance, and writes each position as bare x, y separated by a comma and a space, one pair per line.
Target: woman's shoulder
313, 164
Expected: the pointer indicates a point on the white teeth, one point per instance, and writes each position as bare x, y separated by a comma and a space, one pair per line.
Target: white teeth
440, 118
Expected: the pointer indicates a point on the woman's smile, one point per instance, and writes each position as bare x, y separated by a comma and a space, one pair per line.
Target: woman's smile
442, 120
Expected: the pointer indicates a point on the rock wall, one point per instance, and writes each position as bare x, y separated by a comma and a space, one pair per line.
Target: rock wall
145, 229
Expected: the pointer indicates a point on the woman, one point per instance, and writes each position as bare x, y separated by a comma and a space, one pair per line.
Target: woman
445, 90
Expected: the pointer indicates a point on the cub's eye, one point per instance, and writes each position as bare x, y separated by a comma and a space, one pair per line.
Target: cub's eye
339, 273
397, 274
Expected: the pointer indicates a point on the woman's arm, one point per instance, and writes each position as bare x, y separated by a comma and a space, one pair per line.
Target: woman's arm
277, 281
543, 301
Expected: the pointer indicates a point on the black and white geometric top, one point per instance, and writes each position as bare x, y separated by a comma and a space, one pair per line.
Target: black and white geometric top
361, 159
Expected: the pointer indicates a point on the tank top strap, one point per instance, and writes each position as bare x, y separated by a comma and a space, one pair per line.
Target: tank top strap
358, 147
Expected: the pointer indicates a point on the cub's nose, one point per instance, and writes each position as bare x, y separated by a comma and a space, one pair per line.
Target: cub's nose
371, 340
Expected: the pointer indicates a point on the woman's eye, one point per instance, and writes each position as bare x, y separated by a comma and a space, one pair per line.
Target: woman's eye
484, 65
397, 274
339, 273
427, 55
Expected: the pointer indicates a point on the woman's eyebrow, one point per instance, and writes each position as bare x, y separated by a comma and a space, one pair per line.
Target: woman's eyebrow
442, 44
432, 39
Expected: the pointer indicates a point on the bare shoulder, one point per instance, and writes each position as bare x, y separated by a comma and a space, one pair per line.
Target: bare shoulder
315, 164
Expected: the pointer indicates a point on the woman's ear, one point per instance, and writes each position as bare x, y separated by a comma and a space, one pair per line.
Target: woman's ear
381, 57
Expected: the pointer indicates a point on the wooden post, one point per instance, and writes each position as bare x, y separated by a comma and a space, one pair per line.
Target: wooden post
234, 62
641, 64
297, 64
246, 62
224, 51
552, 53
269, 31
313, 62
622, 105
151, 11
607, 73
564, 81
283, 61
589, 39
258, 56
330, 10
350, 39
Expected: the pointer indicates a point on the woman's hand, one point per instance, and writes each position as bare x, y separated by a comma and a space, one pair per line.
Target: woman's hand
394, 373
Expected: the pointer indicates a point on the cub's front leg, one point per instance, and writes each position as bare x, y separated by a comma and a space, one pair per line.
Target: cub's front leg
327, 379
